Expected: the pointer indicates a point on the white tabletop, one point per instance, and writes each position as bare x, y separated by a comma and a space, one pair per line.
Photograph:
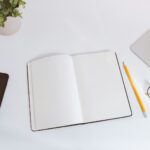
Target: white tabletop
73, 26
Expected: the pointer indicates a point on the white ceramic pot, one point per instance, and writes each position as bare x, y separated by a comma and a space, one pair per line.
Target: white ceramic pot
12, 25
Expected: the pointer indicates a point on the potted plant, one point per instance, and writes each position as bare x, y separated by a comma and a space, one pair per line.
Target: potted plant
10, 16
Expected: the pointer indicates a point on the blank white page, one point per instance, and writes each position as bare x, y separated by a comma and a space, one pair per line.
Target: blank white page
54, 97
101, 89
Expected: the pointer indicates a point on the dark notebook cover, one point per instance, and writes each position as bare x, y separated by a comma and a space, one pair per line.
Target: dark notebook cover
3, 83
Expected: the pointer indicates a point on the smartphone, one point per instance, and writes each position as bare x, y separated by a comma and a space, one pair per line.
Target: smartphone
3, 83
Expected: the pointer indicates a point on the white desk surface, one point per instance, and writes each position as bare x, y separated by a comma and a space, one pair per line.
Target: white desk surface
71, 27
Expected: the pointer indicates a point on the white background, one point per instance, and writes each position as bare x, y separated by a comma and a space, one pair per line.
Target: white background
71, 27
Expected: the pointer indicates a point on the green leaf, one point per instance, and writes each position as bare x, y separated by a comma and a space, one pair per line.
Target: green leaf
2, 20
16, 13
15, 3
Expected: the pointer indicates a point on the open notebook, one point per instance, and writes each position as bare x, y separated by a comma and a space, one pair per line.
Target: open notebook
75, 89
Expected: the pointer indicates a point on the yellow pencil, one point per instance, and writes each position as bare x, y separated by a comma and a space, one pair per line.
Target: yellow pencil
135, 90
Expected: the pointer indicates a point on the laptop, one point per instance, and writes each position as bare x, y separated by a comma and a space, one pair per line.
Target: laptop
141, 48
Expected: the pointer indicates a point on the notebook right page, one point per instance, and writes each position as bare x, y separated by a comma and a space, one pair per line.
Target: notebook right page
100, 86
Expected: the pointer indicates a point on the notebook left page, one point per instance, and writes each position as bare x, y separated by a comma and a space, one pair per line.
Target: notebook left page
54, 99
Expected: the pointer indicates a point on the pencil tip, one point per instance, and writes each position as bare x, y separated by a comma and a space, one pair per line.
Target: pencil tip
145, 115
